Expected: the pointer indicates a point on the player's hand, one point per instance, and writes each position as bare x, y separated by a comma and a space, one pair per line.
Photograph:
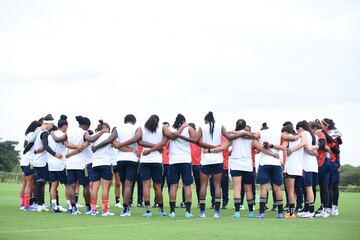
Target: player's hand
58, 155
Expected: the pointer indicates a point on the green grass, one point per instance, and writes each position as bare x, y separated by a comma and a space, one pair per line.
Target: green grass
16, 224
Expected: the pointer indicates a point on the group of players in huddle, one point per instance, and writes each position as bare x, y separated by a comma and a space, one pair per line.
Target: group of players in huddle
303, 156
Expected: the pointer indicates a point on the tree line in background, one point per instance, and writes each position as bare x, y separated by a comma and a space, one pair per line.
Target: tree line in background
9, 162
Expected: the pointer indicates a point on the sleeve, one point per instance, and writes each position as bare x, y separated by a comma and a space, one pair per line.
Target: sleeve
45, 143
322, 143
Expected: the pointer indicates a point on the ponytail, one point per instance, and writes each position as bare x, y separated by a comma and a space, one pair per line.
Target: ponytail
211, 120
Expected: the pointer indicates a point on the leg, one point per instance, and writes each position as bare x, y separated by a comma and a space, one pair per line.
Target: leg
105, 194
217, 185
225, 188
290, 183
94, 194
204, 179
237, 192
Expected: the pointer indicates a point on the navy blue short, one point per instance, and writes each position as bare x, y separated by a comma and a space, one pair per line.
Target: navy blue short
212, 169
324, 171
334, 171
76, 175
27, 170
247, 177
127, 170
41, 174
310, 179
270, 173
102, 172
90, 172
115, 169
151, 171
183, 169
58, 176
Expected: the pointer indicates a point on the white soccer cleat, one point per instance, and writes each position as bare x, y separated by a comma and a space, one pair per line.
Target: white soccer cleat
108, 213
306, 215
118, 205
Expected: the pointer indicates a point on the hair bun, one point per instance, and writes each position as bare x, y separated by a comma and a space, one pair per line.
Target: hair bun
101, 121
264, 124
78, 118
63, 117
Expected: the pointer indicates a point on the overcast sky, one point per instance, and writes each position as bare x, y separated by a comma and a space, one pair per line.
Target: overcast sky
262, 61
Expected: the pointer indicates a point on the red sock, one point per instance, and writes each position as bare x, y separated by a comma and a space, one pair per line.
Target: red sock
21, 199
27, 200
105, 205
93, 205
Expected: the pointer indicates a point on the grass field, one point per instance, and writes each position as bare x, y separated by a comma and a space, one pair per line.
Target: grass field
16, 224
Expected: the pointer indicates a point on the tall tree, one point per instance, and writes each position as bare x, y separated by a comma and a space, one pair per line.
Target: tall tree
9, 157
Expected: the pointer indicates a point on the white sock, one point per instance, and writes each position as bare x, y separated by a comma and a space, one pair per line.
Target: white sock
69, 204
53, 202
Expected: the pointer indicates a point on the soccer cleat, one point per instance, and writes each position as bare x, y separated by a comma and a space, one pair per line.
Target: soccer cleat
217, 214
335, 212
279, 216
288, 216
251, 215
188, 215
242, 207
260, 215
69, 210
78, 205
118, 205
62, 209
41, 208
140, 205
306, 215
75, 212
56, 210
107, 213
172, 215
147, 214
236, 215
22, 207
317, 212
125, 214
162, 213
202, 214
286, 208
298, 208
31, 208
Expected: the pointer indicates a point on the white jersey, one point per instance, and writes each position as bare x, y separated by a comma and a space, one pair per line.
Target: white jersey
76, 162
309, 161
126, 132
28, 157
102, 156
154, 138
40, 159
240, 158
215, 140
273, 138
88, 155
55, 164
294, 163
114, 155
179, 150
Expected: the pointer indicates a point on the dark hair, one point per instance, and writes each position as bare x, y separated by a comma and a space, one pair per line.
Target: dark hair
90, 132
329, 123
315, 124
101, 125
306, 126
264, 126
130, 118
288, 128
211, 120
62, 121
32, 127
287, 123
54, 128
247, 126
152, 123
192, 125
240, 125
166, 123
180, 119
83, 120
48, 117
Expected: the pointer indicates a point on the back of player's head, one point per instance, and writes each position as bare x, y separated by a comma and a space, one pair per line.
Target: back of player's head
152, 123
240, 125
62, 121
130, 118
180, 119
